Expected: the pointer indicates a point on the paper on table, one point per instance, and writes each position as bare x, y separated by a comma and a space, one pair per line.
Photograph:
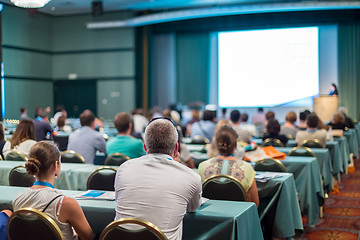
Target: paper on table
266, 176
96, 194
203, 200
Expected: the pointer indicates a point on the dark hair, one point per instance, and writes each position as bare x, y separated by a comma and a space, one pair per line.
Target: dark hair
226, 140
24, 131
22, 109
209, 115
2, 133
334, 85
244, 117
260, 109
234, 116
273, 126
291, 117
270, 115
312, 120
59, 108
87, 118
122, 122
41, 156
61, 121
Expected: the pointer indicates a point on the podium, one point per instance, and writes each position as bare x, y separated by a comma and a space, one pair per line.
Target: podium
325, 107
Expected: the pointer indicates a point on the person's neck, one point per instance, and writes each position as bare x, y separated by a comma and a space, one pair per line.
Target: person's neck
44, 179
289, 124
124, 134
230, 157
311, 129
235, 123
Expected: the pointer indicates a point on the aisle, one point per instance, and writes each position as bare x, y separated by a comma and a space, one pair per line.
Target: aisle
341, 212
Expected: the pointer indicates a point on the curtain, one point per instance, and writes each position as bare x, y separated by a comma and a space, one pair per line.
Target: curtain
349, 67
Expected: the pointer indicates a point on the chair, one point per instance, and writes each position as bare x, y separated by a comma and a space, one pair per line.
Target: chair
312, 144
71, 156
223, 187
61, 142
116, 159
102, 178
199, 140
20, 178
31, 224
272, 142
115, 230
302, 151
270, 165
15, 156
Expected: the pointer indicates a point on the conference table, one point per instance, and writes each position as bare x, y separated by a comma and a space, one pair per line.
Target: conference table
352, 138
213, 220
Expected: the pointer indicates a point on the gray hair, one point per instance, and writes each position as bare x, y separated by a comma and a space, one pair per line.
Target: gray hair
161, 137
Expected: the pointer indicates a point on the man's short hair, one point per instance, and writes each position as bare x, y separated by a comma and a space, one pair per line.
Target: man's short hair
260, 109
43, 114
234, 116
122, 122
22, 109
244, 117
270, 115
160, 137
291, 117
209, 115
312, 120
87, 118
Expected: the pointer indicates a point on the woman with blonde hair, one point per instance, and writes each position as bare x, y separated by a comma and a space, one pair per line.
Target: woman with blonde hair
44, 163
22, 140
227, 164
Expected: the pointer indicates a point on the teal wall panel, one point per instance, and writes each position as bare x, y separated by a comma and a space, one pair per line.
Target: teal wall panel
28, 94
115, 96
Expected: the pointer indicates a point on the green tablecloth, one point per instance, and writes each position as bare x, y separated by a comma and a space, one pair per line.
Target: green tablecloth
73, 175
324, 161
308, 185
213, 220
287, 215
352, 138
344, 148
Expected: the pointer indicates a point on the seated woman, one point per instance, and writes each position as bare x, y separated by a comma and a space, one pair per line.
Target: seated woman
44, 163
338, 121
22, 140
212, 150
273, 130
225, 163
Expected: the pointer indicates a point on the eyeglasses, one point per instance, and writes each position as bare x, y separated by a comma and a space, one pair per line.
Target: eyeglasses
169, 119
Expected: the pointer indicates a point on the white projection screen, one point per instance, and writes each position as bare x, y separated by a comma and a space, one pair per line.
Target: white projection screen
268, 68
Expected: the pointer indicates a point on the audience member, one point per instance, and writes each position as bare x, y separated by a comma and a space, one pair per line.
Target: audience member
23, 113
86, 141
44, 163
247, 126
38, 110
348, 121
302, 120
273, 131
140, 121
156, 188
2, 140
225, 163
338, 121
212, 149
206, 127
289, 128
195, 118
6, 212
133, 133
61, 125
184, 153
269, 115
244, 135
124, 143
60, 111
42, 127
311, 132
22, 140
259, 118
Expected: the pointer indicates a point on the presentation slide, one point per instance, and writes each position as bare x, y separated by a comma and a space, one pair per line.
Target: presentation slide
268, 68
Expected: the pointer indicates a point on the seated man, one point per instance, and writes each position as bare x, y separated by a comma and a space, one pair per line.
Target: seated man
289, 128
244, 135
311, 132
247, 126
206, 127
86, 141
156, 188
124, 143
42, 127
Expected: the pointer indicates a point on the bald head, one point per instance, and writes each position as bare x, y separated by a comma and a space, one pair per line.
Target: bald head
160, 137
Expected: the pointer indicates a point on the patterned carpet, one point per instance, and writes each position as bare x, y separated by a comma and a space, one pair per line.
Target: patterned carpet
341, 219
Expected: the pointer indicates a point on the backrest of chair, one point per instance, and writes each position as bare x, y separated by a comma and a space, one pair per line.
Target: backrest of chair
223, 187
270, 165
312, 144
116, 159
31, 224
302, 151
15, 156
199, 140
337, 133
102, 178
71, 157
148, 231
61, 142
272, 142
20, 178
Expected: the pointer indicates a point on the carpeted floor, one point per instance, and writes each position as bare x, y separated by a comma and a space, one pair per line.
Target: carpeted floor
341, 219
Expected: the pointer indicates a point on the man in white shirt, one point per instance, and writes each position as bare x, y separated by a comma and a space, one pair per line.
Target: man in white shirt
156, 188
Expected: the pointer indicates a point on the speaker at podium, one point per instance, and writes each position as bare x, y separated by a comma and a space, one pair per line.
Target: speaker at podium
325, 107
